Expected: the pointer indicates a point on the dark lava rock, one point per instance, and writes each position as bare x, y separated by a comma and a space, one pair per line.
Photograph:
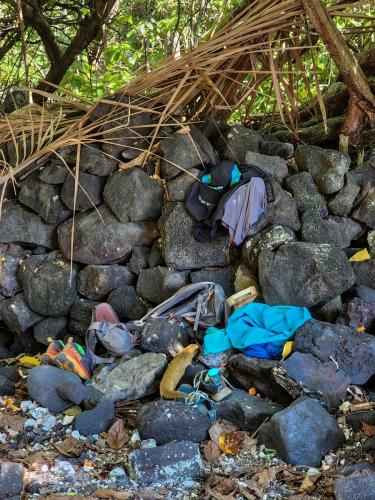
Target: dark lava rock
270, 238
330, 311
92, 159
343, 202
12, 373
304, 274
366, 210
274, 166
356, 418
162, 335
355, 487
80, 316
354, 352
103, 239
54, 388
255, 372
170, 463
89, 192
54, 172
247, 412
10, 257
237, 141
306, 193
133, 195
17, 315
5, 353
96, 282
6, 387
167, 421
361, 313
25, 343
11, 480
18, 224
160, 283
49, 283
338, 231
139, 259
366, 293
155, 257
321, 378
50, 327
44, 199
188, 150
126, 303
97, 420
327, 166
275, 148
179, 247
179, 186
223, 276
365, 272
302, 433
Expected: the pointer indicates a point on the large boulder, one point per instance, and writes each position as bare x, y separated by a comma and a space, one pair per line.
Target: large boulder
100, 238
163, 335
276, 148
133, 195
92, 159
54, 328
97, 420
160, 283
126, 303
139, 259
355, 486
304, 274
80, 316
223, 276
237, 141
44, 199
96, 282
167, 421
274, 166
302, 433
187, 148
306, 194
49, 283
10, 257
333, 230
89, 192
20, 225
343, 201
53, 172
17, 315
366, 210
179, 247
11, 480
353, 352
327, 166
365, 272
179, 186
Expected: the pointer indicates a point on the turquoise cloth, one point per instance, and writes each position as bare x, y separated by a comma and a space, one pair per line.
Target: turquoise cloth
255, 323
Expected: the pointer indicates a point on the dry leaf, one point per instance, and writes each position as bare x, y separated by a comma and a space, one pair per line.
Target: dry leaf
211, 451
117, 495
73, 411
233, 443
70, 447
36, 460
368, 430
11, 422
265, 477
88, 463
221, 488
117, 435
308, 484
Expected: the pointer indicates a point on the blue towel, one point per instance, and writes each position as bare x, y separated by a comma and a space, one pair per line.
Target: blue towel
253, 324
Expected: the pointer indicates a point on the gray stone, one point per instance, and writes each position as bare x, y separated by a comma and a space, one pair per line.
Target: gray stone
304, 274
162, 335
333, 230
179, 186
371, 242
275, 148
80, 316
237, 141
247, 412
366, 210
49, 283
44, 199
50, 327
130, 379
319, 379
97, 420
17, 315
366, 293
133, 195
354, 487
302, 433
249, 372
10, 257
187, 149
96, 282
18, 224
327, 166
271, 239
331, 310
274, 166
11, 479
5, 353
102, 238
343, 202
167, 421
355, 419
155, 257
92, 159
6, 387
221, 275
354, 352
244, 279
54, 172
179, 247
306, 193
365, 272
126, 303
54, 388
171, 463
139, 259
160, 283
89, 193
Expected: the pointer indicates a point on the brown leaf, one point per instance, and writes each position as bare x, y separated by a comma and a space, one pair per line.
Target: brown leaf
221, 488
233, 443
117, 435
265, 477
308, 484
117, 495
211, 451
11, 422
368, 430
70, 447
36, 460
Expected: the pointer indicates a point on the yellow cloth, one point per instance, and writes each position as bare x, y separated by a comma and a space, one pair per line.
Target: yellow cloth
360, 256
287, 349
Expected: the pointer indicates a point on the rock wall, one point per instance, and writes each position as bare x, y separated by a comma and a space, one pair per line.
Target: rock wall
133, 241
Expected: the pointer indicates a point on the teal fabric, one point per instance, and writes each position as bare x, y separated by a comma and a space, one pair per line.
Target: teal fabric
235, 178
255, 323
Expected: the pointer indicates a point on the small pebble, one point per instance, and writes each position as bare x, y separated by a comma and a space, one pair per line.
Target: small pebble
27, 405
148, 443
135, 437
63, 468
3, 438
30, 423
48, 422
68, 419
38, 412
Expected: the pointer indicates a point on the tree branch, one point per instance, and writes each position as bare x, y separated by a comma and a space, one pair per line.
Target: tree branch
8, 44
